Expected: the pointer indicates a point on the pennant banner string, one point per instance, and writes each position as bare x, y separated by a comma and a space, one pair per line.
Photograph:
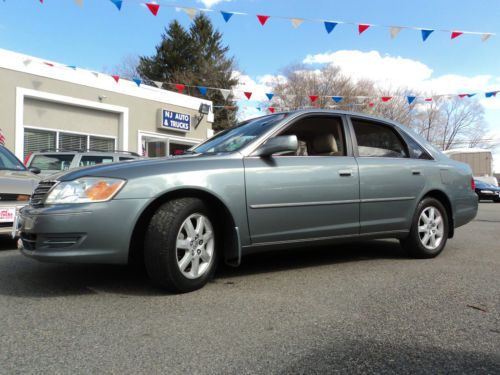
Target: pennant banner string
246, 91
154, 7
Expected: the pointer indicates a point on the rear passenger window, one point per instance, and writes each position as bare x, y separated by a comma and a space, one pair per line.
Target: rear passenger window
377, 140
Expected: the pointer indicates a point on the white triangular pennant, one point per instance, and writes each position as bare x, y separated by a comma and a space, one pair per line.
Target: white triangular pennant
395, 31
485, 37
296, 22
79, 3
225, 93
191, 12
27, 62
95, 74
158, 84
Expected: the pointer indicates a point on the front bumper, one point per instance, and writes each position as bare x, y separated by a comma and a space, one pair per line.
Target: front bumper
79, 233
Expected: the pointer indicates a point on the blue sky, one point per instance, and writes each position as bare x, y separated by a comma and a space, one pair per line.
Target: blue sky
98, 36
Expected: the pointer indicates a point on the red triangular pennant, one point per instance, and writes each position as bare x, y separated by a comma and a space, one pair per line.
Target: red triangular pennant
116, 78
386, 98
362, 28
462, 95
262, 19
180, 87
248, 94
371, 104
49, 64
154, 8
428, 99
455, 34
272, 109
313, 98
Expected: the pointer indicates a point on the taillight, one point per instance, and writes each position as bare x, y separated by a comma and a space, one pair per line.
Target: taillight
472, 184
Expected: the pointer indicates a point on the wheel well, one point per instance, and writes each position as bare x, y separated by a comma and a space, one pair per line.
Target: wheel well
445, 201
224, 223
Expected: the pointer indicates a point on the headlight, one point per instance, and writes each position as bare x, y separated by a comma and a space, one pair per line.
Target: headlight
84, 190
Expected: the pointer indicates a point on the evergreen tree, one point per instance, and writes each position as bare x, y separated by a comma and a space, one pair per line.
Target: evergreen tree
194, 57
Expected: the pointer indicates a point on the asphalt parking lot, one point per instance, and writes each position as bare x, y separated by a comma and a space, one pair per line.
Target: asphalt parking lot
355, 308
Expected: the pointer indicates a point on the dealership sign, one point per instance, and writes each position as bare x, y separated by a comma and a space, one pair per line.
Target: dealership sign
175, 121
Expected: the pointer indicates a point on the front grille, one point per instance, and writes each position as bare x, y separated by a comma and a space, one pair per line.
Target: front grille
41, 192
8, 197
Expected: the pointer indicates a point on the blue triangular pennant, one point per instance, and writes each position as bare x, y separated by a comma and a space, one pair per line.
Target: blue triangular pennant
137, 81
470, 95
118, 3
490, 94
269, 96
226, 15
329, 26
258, 108
426, 33
411, 99
337, 99
203, 90
71, 67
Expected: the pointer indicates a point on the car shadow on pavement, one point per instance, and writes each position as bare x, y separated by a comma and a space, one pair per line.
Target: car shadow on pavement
313, 256
22, 277
390, 357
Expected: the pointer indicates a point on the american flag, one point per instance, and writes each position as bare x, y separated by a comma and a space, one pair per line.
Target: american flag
2, 138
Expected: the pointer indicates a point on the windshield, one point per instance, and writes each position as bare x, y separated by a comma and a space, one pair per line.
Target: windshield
236, 138
9, 161
52, 162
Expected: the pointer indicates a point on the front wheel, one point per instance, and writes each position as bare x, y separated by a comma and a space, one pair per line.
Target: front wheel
179, 248
429, 230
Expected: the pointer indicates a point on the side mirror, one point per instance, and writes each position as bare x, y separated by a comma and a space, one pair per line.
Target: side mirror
34, 170
281, 143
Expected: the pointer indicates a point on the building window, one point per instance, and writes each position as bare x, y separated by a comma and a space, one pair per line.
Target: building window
38, 140
72, 142
101, 144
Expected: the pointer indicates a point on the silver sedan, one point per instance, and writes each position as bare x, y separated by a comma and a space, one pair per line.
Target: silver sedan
278, 181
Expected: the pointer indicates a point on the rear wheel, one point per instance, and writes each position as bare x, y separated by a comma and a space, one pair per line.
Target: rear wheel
179, 249
429, 230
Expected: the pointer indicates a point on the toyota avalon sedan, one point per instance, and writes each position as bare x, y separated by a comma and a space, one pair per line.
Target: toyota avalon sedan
289, 179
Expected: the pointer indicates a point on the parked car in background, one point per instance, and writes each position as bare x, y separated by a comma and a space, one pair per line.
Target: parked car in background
289, 179
16, 186
487, 191
55, 161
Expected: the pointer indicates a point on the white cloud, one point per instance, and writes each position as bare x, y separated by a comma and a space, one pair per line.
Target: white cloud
397, 71
211, 3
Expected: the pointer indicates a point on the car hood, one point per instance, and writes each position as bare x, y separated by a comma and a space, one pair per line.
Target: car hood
17, 182
125, 168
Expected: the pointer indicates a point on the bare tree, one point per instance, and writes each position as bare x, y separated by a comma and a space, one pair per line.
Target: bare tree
126, 68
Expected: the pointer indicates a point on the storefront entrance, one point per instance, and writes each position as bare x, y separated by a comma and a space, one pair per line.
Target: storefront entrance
158, 145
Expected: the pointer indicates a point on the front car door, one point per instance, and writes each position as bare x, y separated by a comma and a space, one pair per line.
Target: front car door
390, 179
312, 194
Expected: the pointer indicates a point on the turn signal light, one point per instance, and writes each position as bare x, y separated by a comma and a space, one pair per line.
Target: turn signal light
23, 198
102, 191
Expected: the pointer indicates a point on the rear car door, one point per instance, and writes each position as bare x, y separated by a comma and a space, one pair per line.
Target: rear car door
311, 194
390, 180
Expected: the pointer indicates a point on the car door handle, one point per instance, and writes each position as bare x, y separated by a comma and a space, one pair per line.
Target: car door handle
345, 172
416, 173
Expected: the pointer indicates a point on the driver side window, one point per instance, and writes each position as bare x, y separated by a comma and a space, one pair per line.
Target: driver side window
318, 136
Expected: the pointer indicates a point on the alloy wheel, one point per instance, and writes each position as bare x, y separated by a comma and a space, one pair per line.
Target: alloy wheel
430, 228
195, 246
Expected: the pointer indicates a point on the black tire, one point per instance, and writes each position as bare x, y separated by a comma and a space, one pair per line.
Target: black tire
160, 246
413, 244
